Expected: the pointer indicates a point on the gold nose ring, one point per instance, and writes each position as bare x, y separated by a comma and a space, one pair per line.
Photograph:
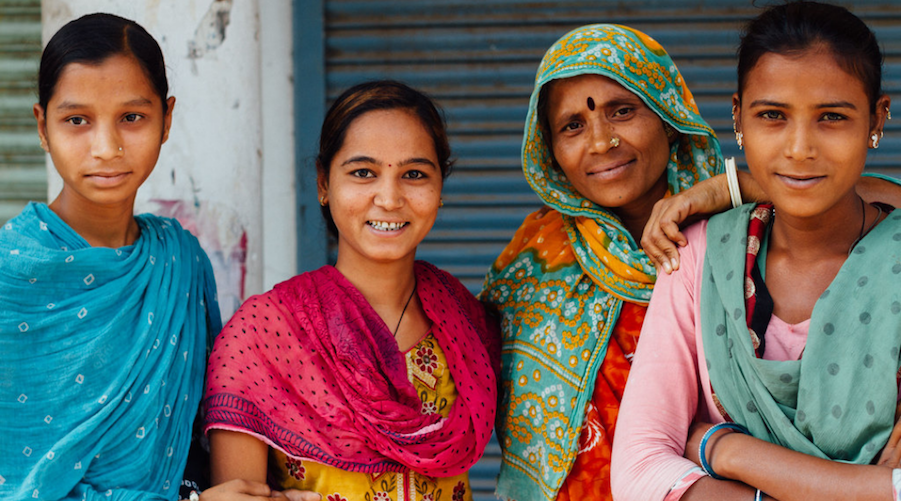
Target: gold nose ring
614, 142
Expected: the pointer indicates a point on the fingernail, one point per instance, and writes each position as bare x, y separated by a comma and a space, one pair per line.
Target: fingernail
675, 264
667, 268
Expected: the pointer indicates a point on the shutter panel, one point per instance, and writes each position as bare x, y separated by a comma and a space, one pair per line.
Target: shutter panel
23, 175
478, 59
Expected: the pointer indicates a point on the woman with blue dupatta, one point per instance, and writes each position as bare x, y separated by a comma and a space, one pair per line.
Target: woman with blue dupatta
104, 316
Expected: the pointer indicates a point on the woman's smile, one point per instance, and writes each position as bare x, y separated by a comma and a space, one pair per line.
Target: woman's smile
386, 226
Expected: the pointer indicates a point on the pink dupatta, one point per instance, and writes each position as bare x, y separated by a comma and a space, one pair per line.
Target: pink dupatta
312, 370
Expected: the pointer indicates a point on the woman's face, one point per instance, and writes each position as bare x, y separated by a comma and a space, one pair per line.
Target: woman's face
383, 188
806, 126
103, 127
585, 113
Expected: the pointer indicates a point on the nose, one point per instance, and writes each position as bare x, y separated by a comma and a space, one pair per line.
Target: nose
389, 194
107, 143
602, 137
800, 145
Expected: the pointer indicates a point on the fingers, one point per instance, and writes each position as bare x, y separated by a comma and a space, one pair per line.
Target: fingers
237, 490
295, 495
891, 455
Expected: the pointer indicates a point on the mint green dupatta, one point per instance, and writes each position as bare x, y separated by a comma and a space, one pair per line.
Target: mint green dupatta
836, 402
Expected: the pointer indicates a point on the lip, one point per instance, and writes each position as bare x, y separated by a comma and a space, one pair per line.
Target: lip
799, 181
611, 170
107, 179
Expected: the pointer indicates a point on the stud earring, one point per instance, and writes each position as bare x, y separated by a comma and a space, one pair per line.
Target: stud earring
441, 202
322, 200
875, 139
614, 142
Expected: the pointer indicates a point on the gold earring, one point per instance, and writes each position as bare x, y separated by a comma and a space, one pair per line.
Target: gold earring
441, 202
888, 113
738, 138
322, 201
875, 139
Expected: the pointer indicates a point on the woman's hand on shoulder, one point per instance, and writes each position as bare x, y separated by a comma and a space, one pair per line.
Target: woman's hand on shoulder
246, 490
662, 236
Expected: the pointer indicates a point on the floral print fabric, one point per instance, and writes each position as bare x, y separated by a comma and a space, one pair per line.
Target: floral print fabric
427, 370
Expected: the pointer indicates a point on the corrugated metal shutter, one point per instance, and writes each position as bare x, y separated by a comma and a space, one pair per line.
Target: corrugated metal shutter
478, 59
23, 175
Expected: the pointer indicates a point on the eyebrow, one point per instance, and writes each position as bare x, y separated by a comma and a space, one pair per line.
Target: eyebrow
69, 105
776, 104
369, 160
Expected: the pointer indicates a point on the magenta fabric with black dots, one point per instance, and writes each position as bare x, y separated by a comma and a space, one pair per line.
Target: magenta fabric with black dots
312, 370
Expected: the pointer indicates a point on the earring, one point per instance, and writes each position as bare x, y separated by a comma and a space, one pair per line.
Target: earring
614, 142
888, 113
441, 202
738, 137
322, 201
875, 139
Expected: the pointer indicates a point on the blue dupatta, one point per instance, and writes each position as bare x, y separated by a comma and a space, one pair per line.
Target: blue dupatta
102, 358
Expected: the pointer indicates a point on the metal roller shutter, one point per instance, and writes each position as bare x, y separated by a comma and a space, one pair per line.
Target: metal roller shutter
478, 58
23, 175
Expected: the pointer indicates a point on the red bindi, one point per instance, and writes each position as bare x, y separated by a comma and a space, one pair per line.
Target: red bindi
591, 104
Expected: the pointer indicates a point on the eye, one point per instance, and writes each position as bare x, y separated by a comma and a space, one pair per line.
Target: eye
133, 117
76, 120
624, 111
362, 173
571, 126
414, 174
833, 117
770, 115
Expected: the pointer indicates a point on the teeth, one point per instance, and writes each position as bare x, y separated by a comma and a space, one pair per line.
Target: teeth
383, 226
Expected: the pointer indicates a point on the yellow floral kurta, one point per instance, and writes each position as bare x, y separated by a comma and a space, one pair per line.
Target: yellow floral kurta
427, 370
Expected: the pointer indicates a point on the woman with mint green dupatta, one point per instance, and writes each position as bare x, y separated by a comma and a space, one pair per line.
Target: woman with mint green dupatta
572, 285
775, 347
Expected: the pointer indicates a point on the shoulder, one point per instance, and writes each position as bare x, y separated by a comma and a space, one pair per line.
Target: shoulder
535, 229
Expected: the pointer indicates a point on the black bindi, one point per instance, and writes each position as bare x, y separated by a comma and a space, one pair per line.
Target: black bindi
591, 104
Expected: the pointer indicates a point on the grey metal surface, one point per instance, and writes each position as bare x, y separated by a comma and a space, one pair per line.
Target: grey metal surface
22, 172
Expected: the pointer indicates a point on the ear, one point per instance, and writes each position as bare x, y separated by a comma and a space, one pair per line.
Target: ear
41, 118
321, 184
736, 112
167, 120
877, 121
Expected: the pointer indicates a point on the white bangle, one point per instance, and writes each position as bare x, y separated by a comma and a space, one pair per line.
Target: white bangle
194, 496
758, 496
732, 182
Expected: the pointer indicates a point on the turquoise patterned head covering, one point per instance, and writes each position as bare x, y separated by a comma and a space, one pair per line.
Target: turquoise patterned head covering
638, 63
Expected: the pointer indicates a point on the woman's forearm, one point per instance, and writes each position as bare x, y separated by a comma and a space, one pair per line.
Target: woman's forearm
787, 475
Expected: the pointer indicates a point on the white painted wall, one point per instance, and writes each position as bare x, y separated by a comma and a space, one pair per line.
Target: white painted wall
227, 171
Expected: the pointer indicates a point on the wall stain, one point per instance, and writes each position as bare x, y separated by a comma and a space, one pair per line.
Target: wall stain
210, 34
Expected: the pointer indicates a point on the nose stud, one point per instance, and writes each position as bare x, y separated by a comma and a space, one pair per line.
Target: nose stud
614, 142
120, 149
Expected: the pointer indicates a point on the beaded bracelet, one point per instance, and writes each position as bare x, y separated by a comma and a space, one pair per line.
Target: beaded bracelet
703, 448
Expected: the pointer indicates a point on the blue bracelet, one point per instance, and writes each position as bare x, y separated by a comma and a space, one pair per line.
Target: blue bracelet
703, 448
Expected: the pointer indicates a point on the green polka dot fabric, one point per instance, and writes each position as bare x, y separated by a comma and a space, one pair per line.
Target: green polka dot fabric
838, 401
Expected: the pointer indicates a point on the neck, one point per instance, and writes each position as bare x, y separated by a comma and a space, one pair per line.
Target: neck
386, 286
635, 215
831, 233
101, 226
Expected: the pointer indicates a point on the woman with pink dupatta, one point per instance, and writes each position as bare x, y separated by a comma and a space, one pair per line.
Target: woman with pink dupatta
374, 379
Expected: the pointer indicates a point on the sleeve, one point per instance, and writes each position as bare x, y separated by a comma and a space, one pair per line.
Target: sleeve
662, 393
